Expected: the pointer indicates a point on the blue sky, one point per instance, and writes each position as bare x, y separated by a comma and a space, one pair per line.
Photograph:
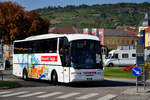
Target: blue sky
34, 4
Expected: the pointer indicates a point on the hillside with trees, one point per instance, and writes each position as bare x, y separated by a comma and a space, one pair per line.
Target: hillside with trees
115, 16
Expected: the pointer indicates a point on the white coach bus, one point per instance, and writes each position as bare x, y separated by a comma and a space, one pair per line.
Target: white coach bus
59, 58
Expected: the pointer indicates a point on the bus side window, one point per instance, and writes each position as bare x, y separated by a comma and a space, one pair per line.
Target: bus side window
52, 45
36, 47
48, 46
17, 47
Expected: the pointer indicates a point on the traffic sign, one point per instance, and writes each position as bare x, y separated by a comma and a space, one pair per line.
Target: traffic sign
136, 71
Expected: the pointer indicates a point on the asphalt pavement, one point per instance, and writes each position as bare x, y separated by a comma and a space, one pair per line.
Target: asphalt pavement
109, 89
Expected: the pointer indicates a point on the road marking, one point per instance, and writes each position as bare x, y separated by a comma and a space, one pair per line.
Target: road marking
68, 95
5, 92
31, 94
88, 96
49, 94
12, 94
107, 97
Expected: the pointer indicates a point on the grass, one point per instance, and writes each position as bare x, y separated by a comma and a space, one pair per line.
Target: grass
8, 84
117, 72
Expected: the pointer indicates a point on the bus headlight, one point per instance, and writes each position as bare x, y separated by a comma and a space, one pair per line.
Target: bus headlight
99, 72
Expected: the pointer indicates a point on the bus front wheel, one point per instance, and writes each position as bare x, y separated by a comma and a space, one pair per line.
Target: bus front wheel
54, 77
111, 65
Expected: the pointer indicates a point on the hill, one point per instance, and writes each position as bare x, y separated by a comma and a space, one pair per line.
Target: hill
122, 15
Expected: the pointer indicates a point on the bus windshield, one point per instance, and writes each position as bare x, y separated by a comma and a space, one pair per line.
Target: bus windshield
86, 54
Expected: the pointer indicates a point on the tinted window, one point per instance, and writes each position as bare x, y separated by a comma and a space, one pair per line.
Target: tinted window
125, 55
133, 55
38, 46
64, 51
18, 48
115, 56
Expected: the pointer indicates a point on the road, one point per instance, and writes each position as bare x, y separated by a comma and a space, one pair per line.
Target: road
44, 90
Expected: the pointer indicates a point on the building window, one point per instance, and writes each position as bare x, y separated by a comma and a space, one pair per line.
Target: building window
107, 42
132, 42
122, 41
127, 42
148, 43
118, 41
113, 42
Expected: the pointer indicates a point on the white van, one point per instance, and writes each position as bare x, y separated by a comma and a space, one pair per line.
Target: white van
122, 57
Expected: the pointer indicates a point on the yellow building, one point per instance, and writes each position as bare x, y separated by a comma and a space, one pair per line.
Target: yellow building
147, 37
145, 25
119, 38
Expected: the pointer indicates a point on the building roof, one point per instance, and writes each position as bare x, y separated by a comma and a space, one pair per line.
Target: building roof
147, 29
118, 33
107, 32
62, 30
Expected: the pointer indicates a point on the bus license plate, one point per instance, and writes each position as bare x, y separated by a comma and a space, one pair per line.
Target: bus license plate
89, 78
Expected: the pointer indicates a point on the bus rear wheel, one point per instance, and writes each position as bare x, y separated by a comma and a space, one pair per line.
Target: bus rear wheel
54, 78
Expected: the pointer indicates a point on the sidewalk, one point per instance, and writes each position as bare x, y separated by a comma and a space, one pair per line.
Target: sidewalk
131, 94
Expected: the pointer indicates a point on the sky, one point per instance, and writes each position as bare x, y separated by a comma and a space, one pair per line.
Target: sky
35, 4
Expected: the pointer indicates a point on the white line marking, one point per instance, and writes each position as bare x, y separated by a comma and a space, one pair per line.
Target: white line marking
5, 92
12, 94
49, 95
31, 94
68, 95
88, 96
107, 97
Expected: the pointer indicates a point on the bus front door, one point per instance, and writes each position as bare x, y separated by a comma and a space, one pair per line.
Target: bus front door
66, 75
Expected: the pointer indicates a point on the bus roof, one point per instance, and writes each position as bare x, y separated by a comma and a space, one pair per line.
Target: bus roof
70, 37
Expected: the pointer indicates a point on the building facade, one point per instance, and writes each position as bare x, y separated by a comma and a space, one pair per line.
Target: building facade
147, 38
114, 39
145, 25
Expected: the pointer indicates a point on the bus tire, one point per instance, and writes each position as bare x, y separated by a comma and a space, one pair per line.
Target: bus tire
25, 74
54, 78
111, 65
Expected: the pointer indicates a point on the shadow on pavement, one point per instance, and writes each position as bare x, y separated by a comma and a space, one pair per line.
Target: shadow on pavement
43, 83
105, 83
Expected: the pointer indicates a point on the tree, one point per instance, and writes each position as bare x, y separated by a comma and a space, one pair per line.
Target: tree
17, 23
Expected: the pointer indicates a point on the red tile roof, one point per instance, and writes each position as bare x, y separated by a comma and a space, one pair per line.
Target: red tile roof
148, 29
62, 30
129, 31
